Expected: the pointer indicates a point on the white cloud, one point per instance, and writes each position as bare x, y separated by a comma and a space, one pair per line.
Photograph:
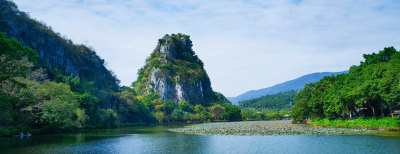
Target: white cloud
244, 44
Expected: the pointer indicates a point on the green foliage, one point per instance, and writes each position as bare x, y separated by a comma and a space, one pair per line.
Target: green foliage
86, 94
12, 130
217, 112
201, 113
15, 51
169, 106
148, 100
230, 112
177, 113
167, 111
368, 90
132, 109
109, 119
15, 59
159, 116
264, 114
374, 123
12, 68
184, 105
233, 113
199, 109
62, 109
155, 63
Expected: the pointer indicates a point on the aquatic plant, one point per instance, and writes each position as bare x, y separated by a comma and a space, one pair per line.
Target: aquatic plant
248, 128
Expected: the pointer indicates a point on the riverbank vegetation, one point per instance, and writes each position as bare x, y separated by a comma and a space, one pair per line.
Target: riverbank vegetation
370, 123
256, 114
269, 107
371, 89
168, 112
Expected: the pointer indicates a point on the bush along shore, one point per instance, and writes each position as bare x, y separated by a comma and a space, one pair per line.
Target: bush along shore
389, 124
281, 127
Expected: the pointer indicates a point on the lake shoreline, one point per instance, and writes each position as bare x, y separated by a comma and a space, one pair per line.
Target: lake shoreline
266, 128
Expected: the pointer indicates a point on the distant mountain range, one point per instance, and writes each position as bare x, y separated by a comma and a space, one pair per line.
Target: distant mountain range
295, 84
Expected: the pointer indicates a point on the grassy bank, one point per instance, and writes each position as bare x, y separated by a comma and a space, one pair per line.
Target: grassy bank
371, 123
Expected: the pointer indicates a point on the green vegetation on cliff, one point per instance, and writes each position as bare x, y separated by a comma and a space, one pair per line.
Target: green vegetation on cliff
175, 87
176, 61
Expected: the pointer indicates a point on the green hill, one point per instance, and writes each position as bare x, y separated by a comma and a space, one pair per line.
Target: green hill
277, 102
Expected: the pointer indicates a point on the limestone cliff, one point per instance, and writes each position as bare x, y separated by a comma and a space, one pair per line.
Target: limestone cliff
174, 72
57, 54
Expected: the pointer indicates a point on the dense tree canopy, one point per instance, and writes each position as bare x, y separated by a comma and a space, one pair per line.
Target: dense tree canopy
371, 89
31, 102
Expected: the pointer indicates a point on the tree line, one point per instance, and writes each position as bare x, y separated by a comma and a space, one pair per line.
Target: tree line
279, 101
268, 107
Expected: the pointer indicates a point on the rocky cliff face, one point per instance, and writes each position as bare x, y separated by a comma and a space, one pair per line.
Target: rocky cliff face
174, 72
57, 54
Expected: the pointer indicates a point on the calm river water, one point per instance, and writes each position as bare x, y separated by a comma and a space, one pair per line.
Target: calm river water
159, 140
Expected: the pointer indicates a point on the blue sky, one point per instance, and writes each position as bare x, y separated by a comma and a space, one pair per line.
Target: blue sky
245, 45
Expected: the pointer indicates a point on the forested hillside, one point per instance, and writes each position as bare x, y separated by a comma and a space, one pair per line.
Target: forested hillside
279, 101
371, 89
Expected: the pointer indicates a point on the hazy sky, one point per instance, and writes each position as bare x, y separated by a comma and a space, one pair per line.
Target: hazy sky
245, 45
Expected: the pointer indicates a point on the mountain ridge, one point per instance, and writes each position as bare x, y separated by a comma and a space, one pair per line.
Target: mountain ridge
294, 84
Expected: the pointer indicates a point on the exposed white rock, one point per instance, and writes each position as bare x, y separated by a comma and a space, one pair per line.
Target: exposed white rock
179, 92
